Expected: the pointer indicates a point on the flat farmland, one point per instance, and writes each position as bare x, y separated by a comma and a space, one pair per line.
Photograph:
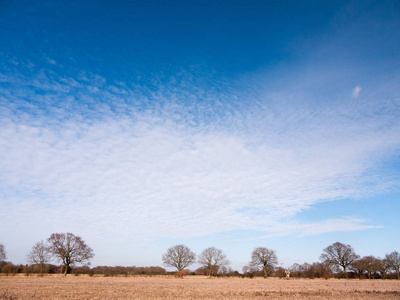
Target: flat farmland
192, 287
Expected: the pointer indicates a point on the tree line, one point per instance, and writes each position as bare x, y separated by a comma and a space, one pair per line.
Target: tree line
74, 255
337, 260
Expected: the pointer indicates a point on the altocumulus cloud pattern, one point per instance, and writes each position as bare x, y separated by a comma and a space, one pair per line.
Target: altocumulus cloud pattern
166, 161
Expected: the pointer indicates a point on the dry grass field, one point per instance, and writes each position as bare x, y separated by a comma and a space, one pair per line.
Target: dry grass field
169, 287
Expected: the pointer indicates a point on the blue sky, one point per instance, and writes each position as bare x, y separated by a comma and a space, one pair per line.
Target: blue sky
234, 124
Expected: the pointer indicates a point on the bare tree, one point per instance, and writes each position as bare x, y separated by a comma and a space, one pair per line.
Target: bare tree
3, 255
295, 270
39, 255
394, 262
179, 257
367, 263
246, 269
69, 249
339, 254
264, 257
383, 266
213, 258
358, 267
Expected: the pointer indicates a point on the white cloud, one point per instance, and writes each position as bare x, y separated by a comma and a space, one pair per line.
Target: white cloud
344, 224
356, 91
145, 166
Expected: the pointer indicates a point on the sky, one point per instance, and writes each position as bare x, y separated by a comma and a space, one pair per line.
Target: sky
139, 125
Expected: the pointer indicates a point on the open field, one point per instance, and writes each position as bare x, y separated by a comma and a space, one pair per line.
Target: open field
169, 287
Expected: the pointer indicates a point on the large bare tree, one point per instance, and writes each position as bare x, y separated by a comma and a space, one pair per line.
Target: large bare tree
179, 256
39, 255
339, 254
69, 249
213, 259
3, 255
263, 257
394, 262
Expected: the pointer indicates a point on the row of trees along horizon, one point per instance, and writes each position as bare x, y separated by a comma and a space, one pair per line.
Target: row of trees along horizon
337, 260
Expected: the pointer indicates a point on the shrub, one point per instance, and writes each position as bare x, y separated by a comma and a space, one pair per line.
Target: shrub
180, 274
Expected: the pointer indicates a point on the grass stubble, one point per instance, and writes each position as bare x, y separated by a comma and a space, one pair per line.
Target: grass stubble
192, 287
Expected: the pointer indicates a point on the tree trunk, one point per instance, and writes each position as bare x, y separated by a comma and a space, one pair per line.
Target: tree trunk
67, 270
265, 272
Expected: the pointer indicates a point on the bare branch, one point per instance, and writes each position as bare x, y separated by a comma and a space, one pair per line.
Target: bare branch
213, 259
263, 257
339, 254
179, 257
3, 255
69, 249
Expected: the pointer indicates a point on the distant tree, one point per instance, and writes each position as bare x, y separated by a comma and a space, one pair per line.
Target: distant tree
69, 249
306, 270
316, 270
358, 267
213, 258
39, 255
295, 270
179, 257
265, 258
382, 266
201, 271
247, 269
394, 262
339, 254
223, 270
3, 255
9, 269
279, 272
367, 263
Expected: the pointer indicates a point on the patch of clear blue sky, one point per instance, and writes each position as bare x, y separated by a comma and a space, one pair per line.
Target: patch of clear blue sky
134, 40
118, 38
